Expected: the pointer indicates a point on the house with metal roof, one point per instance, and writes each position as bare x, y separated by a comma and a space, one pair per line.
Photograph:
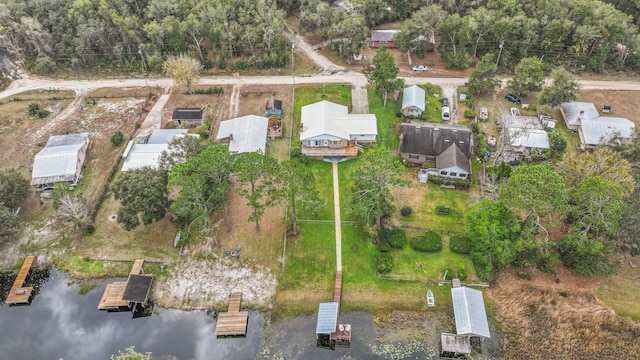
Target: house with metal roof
187, 116
413, 101
328, 131
60, 160
244, 134
600, 130
575, 112
523, 135
384, 37
148, 152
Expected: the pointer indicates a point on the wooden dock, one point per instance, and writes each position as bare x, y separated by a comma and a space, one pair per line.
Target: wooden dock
337, 290
233, 322
112, 297
19, 294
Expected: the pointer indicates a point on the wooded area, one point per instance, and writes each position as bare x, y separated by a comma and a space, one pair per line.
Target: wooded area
137, 35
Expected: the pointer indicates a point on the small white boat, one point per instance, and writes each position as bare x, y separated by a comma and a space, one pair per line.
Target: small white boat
431, 301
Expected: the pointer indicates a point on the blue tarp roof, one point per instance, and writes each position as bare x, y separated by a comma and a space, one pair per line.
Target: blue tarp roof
327, 318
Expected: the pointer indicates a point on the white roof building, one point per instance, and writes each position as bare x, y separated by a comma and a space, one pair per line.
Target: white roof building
245, 134
469, 312
327, 120
576, 112
413, 96
525, 133
148, 155
602, 129
61, 160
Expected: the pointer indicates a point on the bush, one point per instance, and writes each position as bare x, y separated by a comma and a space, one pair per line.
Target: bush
384, 247
43, 65
460, 244
429, 242
34, 107
170, 125
462, 274
448, 273
89, 228
475, 128
406, 211
384, 262
117, 138
524, 275
398, 239
303, 158
469, 114
213, 90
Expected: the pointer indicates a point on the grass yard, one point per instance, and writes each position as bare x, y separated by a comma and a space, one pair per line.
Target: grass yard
388, 122
434, 264
433, 104
323, 175
620, 291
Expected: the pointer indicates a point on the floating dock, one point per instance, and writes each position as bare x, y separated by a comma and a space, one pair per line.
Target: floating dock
233, 322
20, 295
125, 295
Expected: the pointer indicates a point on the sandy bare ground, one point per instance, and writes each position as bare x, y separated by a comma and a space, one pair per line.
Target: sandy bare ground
203, 284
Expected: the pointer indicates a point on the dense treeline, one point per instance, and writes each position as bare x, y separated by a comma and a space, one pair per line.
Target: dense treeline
581, 34
586, 35
121, 32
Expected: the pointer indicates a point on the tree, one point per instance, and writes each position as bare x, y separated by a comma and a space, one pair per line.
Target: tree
184, 70
417, 34
586, 255
371, 199
14, 188
483, 79
131, 354
298, 190
142, 194
493, 230
203, 184
116, 138
529, 76
9, 223
180, 150
557, 144
348, 36
72, 208
602, 162
563, 89
383, 73
257, 172
596, 206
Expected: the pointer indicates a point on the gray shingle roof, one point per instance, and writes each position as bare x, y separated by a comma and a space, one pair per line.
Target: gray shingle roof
433, 139
453, 156
468, 309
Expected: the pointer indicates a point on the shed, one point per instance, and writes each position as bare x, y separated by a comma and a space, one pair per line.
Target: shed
245, 134
413, 101
452, 343
137, 290
148, 154
469, 312
327, 318
187, 116
61, 160
274, 108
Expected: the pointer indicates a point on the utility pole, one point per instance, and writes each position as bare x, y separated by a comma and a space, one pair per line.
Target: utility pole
144, 64
499, 53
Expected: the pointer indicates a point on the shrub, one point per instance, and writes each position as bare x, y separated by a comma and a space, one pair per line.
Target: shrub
42, 113
469, 114
563, 293
475, 128
213, 90
170, 125
89, 228
462, 274
384, 247
398, 238
117, 138
448, 273
303, 158
406, 211
460, 244
34, 107
384, 262
428, 242
524, 275
43, 65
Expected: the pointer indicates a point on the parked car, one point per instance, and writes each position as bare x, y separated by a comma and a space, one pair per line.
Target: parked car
445, 113
514, 99
420, 68
445, 102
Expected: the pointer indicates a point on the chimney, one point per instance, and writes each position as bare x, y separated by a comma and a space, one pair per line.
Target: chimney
581, 112
230, 137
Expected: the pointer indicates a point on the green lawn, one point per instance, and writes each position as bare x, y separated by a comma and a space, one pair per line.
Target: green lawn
388, 122
435, 264
432, 113
425, 215
324, 184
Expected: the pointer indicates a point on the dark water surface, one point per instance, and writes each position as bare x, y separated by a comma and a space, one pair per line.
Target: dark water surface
61, 324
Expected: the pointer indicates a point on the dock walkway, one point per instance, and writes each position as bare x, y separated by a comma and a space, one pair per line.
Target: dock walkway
18, 293
233, 322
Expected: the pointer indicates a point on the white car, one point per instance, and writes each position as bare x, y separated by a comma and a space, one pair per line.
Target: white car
445, 113
420, 68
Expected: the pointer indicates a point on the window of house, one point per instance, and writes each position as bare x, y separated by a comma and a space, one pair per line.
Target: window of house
309, 143
453, 174
443, 173
464, 176
318, 142
414, 156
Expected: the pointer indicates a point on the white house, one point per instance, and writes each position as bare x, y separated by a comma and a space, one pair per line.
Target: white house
601, 129
524, 135
244, 134
327, 130
148, 154
575, 112
61, 160
413, 101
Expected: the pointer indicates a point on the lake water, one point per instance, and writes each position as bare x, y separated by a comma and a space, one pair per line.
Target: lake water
61, 324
